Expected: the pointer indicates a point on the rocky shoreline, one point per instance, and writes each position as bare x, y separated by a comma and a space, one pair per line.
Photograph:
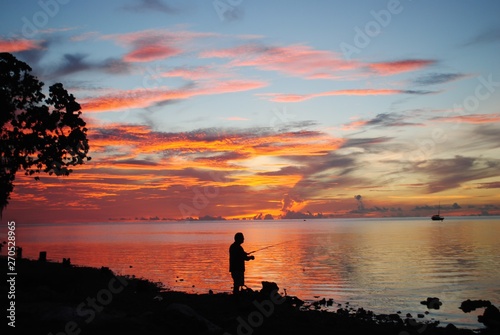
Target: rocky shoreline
56, 298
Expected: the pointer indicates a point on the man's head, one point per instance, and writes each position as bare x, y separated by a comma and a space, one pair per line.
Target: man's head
239, 238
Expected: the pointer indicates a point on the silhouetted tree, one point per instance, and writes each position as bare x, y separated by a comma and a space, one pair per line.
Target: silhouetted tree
37, 133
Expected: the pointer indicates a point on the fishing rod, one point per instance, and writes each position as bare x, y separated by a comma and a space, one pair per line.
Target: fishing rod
269, 246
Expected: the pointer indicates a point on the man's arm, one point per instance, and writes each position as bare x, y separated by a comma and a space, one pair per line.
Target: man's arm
247, 257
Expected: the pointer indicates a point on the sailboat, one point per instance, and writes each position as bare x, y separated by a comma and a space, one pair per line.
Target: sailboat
437, 217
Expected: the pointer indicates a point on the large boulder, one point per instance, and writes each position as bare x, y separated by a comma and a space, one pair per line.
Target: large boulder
490, 317
471, 305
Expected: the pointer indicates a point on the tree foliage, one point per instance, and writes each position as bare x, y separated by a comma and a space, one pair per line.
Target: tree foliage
38, 133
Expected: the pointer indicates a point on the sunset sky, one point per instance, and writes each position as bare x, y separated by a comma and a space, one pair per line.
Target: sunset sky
239, 107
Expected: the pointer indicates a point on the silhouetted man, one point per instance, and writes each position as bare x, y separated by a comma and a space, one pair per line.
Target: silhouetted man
237, 258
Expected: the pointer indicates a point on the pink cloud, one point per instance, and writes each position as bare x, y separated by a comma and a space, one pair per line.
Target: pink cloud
18, 45
471, 118
295, 60
129, 99
141, 98
155, 44
391, 68
166, 35
276, 97
236, 118
231, 86
304, 61
148, 53
196, 73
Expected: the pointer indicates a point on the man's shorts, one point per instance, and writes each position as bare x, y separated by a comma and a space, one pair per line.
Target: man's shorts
238, 278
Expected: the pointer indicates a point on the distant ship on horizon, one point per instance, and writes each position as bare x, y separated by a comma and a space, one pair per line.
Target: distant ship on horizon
437, 217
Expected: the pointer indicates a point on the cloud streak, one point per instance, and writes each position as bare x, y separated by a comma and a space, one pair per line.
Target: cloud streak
143, 98
18, 45
155, 44
485, 37
400, 66
279, 97
74, 63
470, 118
439, 78
451, 173
151, 5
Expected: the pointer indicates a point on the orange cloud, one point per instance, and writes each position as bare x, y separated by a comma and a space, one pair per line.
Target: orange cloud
391, 68
141, 140
18, 45
136, 169
354, 125
139, 151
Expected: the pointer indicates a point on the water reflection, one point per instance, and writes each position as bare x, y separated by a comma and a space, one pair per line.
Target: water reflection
384, 265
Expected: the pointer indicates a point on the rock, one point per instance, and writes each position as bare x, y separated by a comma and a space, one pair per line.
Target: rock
191, 316
451, 329
420, 316
59, 313
432, 303
490, 317
293, 301
471, 305
44, 293
268, 288
343, 312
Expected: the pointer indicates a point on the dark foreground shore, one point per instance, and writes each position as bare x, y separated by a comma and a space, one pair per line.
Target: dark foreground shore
56, 298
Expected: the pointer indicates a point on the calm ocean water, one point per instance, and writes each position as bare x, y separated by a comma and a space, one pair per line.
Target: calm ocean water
385, 265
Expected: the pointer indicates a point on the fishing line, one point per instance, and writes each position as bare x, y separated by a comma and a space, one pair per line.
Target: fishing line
270, 246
